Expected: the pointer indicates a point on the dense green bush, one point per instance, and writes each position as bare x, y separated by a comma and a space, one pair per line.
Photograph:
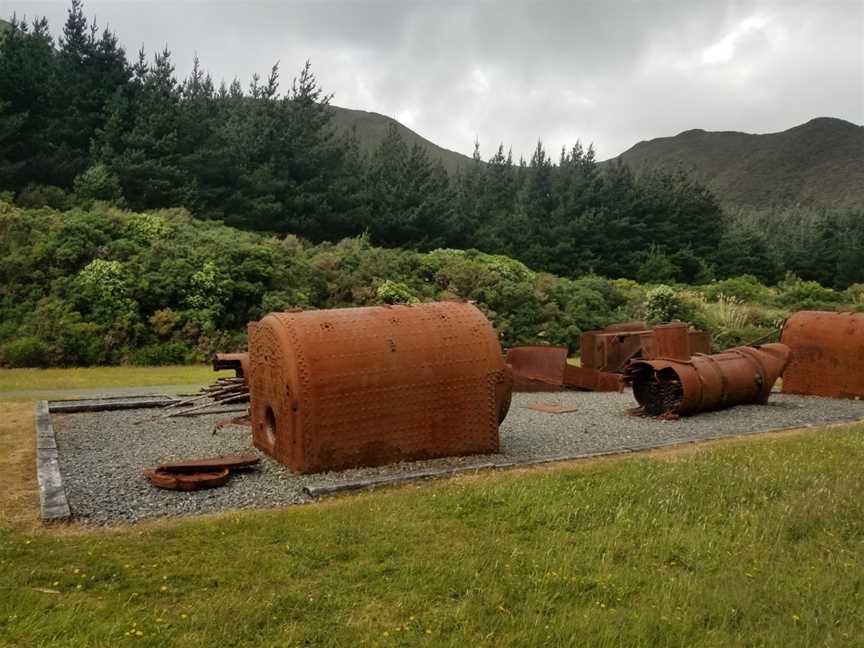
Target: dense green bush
27, 351
105, 286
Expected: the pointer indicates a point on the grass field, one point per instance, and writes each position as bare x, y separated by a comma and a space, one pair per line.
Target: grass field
95, 377
741, 543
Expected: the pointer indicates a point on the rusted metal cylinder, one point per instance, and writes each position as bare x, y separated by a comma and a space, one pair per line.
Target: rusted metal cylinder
827, 354
707, 382
351, 387
672, 341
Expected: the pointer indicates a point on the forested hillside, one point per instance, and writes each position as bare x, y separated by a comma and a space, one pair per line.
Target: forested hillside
817, 164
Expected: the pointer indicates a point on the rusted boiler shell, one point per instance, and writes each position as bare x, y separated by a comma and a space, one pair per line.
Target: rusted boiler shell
707, 382
354, 387
827, 354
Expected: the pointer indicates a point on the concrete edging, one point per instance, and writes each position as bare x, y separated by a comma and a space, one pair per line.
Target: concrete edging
52, 496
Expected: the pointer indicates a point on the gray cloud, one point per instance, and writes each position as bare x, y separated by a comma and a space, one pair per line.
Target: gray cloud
603, 72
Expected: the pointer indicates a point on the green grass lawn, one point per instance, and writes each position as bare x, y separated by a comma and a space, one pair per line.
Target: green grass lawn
95, 377
745, 543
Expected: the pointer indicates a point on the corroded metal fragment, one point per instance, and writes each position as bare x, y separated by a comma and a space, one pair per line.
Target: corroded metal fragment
827, 354
230, 461
351, 387
585, 379
707, 382
537, 368
239, 362
187, 481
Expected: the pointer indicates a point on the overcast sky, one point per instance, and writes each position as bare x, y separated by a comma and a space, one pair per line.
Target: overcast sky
611, 73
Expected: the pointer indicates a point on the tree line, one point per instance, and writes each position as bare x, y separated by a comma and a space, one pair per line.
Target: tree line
81, 123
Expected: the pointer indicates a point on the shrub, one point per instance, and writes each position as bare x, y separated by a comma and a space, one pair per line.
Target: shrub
395, 292
664, 304
797, 294
34, 196
744, 287
162, 353
27, 351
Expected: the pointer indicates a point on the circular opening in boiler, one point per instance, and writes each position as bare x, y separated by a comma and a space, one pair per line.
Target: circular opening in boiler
270, 426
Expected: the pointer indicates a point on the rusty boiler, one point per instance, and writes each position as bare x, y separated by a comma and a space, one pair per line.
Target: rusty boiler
351, 387
827, 354
670, 386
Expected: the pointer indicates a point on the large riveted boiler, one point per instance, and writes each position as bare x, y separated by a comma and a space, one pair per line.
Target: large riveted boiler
334, 389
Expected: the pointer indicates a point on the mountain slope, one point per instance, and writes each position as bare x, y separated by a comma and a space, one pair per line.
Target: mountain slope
820, 163
372, 127
4, 26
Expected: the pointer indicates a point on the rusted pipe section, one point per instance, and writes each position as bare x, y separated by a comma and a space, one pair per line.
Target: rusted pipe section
352, 387
707, 382
827, 354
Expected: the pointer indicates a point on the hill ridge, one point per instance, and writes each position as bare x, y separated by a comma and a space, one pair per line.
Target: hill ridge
819, 163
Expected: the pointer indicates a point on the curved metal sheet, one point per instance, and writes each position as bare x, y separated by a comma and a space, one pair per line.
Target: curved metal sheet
827, 354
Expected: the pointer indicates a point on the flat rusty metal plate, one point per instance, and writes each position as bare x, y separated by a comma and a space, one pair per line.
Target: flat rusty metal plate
586, 379
537, 368
230, 461
351, 387
551, 408
827, 354
187, 482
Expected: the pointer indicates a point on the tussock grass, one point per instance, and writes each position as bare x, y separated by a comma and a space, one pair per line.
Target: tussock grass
94, 377
757, 542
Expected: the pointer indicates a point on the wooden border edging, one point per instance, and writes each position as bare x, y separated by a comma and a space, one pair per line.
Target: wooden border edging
52, 496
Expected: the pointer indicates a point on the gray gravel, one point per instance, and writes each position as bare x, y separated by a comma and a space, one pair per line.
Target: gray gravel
102, 454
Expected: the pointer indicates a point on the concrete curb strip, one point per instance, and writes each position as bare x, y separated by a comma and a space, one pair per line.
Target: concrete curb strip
52, 496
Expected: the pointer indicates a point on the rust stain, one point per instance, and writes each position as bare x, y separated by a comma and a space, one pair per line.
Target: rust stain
703, 383
827, 354
351, 387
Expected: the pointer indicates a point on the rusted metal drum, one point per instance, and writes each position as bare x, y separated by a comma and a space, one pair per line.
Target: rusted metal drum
827, 354
537, 368
707, 382
350, 387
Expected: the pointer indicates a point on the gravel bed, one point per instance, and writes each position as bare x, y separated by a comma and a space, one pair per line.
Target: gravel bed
102, 454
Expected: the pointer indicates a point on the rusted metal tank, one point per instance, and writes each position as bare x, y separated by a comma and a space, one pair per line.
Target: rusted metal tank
672, 341
707, 382
827, 354
537, 368
351, 387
